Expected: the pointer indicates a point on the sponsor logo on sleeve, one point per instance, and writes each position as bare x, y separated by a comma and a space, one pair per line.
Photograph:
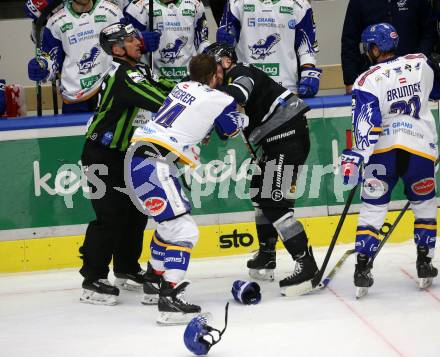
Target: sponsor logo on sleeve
155, 205
424, 186
66, 27
249, 8
100, 18
286, 10
136, 77
188, 12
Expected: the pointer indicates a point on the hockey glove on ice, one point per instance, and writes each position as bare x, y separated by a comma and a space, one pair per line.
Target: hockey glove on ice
2, 96
224, 36
246, 292
151, 40
38, 70
308, 85
351, 162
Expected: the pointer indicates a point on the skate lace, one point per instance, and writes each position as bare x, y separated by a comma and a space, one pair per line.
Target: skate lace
181, 298
298, 269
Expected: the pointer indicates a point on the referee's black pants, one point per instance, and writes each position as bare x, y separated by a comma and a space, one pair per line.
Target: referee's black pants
118, 228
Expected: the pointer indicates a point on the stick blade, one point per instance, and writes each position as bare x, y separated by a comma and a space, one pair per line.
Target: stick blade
297, 290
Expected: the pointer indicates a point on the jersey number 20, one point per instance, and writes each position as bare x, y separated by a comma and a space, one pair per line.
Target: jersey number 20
410, 107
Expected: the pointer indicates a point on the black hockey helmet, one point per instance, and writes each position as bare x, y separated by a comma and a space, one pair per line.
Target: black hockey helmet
115, 34
219, 50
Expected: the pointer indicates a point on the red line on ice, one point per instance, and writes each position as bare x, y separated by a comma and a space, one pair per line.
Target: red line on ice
428, 291
366, 322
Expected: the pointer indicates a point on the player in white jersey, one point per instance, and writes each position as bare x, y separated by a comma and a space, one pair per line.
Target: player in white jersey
189, 114
275, 36
395, 137
70, 44
34, 8
183, 28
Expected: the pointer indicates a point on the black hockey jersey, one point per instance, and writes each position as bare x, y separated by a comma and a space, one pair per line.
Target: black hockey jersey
267, 104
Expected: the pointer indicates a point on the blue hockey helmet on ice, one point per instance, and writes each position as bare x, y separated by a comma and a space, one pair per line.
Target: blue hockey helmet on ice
383, 35
199, 337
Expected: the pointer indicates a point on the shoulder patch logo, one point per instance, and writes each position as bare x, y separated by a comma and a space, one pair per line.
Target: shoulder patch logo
136, 77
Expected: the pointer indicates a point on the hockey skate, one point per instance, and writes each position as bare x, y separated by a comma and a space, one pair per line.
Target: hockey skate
173, 309
129, 281
363, 279
300, 281
425, 271
151, 287
263, 263
99, 292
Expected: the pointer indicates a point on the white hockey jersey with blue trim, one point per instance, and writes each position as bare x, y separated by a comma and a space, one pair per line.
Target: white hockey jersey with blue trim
72, 40
391, 108
184, 33
274, 36
188, 115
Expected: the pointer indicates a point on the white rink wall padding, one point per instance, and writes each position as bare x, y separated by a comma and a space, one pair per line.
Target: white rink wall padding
41, 316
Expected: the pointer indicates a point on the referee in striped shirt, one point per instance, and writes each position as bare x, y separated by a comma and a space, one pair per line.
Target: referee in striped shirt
127, 94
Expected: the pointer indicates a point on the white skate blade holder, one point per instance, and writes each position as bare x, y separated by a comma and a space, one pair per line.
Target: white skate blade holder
425, 283
150, 299
361, 292
297, 290
262, 274
179, 318
127, 285
94, 298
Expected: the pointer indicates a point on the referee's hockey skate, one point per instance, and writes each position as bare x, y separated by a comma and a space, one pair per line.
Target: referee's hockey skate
300, 281
151, 287
425, 271
99, 292
128, 281
173, 309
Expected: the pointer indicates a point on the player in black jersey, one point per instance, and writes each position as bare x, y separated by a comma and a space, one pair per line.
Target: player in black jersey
276, 124
128, 95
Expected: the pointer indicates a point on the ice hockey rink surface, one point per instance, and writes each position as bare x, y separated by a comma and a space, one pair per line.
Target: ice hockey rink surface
41, 316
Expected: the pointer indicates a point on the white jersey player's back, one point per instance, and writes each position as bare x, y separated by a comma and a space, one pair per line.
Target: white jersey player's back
401, 88
186, 118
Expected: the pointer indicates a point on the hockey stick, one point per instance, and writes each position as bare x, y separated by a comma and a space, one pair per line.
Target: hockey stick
37, 56
40, 23
323, 284
150, 28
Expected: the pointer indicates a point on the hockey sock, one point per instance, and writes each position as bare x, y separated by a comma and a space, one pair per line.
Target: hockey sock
367, 240
267, 236
176, 263
157, 249
425, 231
296, 245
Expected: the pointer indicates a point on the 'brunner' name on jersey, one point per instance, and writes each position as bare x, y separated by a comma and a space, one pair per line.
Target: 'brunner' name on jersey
405, 91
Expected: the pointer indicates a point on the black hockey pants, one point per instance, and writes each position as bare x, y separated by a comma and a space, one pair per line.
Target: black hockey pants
118, 228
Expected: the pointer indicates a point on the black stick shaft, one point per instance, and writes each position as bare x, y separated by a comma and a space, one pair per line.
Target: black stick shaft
319, 276
150, 27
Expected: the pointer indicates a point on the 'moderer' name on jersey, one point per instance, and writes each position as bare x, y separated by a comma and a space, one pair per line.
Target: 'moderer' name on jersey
273, 36
72, 41
187, 116
391, 108
184, 33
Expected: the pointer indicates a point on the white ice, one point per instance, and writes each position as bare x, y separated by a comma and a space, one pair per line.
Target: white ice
41, 316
